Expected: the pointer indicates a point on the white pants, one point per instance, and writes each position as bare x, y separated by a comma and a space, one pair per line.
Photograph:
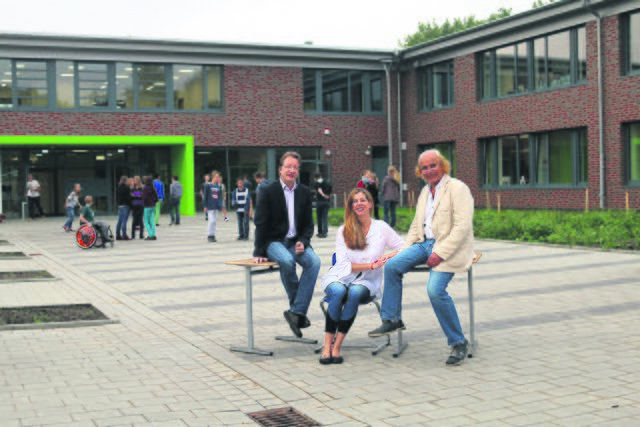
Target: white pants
213, 218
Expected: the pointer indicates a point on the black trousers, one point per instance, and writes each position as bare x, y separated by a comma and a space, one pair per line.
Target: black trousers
137, 211
32, 204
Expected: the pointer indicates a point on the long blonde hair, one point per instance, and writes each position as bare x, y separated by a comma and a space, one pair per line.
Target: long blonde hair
394, 174
354, 237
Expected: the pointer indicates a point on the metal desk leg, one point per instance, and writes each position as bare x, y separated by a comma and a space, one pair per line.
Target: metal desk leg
401, 345
472, 320
250, 349
296, 339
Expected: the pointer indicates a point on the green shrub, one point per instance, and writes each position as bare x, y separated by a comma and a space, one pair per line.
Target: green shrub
609, 229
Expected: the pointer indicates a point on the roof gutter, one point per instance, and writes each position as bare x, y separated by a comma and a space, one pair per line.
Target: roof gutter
587, 5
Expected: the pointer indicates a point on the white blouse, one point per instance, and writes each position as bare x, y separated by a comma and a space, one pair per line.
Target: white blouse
380, 236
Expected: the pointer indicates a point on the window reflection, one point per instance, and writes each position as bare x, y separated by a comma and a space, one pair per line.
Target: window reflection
559, 59
356, 92
634, 42
124, 86
335, 96
634, 151
505, 68
6, 84
309, 88
31, 83
582, 53
375, 92
152, 92
214, 86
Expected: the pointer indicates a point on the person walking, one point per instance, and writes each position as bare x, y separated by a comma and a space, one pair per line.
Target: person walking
33, 198
223, 187
372, 188
149, 201
159, 186
123, 198
323, 203
70, 205
137, 208
241, 198
203, 189
356, 275
390, 195
175, 195
212, 204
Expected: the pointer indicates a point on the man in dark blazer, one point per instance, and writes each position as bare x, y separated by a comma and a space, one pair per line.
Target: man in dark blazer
284, 226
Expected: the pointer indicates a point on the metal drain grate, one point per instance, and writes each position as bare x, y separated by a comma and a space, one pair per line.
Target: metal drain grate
282, 417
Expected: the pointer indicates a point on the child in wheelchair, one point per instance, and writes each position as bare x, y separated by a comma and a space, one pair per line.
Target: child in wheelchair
87, 218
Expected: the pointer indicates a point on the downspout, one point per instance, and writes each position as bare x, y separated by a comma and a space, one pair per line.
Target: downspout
399, 98
588, 6
387, 70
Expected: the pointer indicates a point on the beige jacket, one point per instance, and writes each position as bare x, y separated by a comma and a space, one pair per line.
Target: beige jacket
452, 225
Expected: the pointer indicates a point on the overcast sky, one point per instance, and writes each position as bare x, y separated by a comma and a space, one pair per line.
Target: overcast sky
339, 23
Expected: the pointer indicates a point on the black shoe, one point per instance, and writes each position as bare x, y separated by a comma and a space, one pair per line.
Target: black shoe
292, 320
240, 238
458, 353
304, 322
388, 327
210, 239
338, 360
171, 223
213, 239
141, 237
157, 225
326, 360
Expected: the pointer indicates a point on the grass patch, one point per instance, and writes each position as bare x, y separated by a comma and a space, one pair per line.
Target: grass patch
49, 314
8, 276
608, 229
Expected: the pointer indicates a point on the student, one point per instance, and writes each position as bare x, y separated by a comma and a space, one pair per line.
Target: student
284, 228
175, 195
149, 200
357, 273
390, 195
70, 205
241, 198
323, 203
87, 218
33, 198
159, 186
137, 208
203, 189
224, 197
212, 204
123, 198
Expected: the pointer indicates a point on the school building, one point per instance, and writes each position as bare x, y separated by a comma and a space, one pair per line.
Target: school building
537, 108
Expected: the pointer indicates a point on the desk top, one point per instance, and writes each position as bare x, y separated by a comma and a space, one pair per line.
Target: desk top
250, 263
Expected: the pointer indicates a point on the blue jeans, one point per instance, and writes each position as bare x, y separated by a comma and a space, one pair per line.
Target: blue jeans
174, 210
121, 225
344, 301
390, 213
69, 223
299, 291
322, 212
441, 302
243, 224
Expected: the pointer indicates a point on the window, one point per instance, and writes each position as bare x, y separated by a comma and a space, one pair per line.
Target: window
561, 158
93, 85
32, 86
65, 86
188, 87
124, 86
436, 85
151, 86
551, 61
214, 86
6, 84
633, 43
633, 144
448, 151
342, 91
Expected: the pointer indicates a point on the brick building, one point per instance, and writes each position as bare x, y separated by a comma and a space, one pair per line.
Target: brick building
515, 104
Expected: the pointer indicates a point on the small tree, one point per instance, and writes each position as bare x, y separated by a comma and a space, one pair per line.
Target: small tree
539, 3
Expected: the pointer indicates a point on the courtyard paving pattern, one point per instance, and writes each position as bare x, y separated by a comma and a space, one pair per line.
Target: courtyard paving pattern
559, 343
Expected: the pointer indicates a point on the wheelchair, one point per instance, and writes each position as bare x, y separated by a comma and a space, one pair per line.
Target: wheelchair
97, 235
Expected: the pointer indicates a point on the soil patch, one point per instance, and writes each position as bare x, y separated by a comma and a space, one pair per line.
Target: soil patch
48, 314
12, 276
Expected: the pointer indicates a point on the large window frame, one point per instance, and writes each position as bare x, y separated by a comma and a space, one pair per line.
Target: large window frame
631, 133
427, 87
531, 54
538, 149
314, 96
631, 43
74, 72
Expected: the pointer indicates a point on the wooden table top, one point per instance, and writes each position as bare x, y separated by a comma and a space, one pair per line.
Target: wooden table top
251, 263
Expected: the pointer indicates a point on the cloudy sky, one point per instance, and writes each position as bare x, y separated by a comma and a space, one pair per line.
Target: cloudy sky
344, 23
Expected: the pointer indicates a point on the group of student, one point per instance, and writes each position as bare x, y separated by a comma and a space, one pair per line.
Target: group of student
441, 235
141, 198
390, 191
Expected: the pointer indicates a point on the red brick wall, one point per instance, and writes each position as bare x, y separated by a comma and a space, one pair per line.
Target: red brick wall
470, 120
263, 108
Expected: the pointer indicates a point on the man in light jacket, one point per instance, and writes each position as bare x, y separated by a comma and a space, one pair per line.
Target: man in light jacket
441, 235
175, 195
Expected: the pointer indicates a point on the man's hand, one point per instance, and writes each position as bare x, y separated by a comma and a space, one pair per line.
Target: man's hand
259, 260
299, 248
434, 260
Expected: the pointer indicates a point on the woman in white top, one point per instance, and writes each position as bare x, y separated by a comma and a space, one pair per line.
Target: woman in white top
357, 273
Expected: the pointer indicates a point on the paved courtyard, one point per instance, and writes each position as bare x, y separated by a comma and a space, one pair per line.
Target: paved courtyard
557, 332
